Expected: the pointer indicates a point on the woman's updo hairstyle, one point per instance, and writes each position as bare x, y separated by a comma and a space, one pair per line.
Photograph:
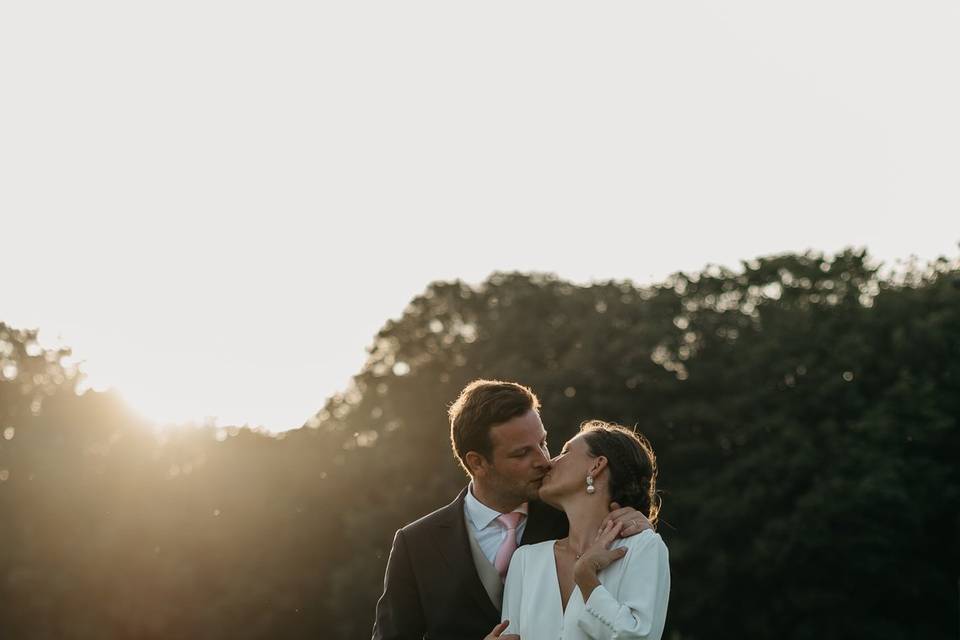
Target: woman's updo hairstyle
631, 462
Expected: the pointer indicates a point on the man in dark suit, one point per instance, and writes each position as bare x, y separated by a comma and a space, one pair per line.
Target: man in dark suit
444, 578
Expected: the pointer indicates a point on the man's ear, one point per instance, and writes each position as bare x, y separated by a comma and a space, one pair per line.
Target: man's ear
476, 463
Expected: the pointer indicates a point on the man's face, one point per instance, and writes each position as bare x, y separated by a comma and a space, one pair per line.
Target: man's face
519, 460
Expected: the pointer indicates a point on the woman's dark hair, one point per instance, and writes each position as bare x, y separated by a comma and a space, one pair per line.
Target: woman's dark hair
632, 465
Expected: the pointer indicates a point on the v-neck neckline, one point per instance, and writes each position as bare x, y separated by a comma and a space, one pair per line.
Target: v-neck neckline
556, 581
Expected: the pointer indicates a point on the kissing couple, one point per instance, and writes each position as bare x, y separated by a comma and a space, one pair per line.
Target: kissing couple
533, 547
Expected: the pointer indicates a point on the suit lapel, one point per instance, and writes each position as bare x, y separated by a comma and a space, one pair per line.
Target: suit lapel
454, 546
543, 523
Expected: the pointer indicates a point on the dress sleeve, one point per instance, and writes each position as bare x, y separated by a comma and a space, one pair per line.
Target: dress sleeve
513, 592
639, 606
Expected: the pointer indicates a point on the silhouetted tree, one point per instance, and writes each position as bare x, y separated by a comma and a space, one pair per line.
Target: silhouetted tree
803, 409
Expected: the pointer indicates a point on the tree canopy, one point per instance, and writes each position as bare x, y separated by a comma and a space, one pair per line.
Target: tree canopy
803, 409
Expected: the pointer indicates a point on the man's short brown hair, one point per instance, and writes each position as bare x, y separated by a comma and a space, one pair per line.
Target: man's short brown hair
484, 404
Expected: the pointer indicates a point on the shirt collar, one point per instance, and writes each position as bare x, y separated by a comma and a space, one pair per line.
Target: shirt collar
480, 514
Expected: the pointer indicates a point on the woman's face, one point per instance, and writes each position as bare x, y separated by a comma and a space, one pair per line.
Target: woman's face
568, 471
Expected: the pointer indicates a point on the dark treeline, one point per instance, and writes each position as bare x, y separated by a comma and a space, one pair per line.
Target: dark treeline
804, 411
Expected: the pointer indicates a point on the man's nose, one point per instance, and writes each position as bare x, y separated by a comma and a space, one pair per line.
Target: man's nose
544, 459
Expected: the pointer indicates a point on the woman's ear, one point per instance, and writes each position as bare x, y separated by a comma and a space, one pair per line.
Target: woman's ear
599, 464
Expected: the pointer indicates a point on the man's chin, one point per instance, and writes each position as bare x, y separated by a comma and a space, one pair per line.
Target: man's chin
537, 488
533, 492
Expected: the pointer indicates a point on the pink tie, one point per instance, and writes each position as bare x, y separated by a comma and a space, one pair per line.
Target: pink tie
509, 544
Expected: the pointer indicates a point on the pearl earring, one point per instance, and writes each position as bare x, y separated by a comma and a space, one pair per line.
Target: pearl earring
590, 487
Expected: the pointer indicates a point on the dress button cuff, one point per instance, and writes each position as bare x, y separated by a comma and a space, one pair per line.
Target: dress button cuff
600, 617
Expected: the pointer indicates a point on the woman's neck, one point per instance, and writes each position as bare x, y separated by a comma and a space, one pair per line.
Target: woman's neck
585, 513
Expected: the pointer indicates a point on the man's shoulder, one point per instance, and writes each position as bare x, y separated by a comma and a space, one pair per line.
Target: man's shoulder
442, 517
545, 523
434, 518
536, 548
540, 509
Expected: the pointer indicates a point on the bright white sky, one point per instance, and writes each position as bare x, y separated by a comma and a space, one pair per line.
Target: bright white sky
217, 204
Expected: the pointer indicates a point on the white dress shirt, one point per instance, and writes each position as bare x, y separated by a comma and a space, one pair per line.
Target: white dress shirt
631, 601
486, 529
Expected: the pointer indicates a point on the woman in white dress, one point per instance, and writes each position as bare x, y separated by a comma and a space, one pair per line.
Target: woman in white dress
593, 584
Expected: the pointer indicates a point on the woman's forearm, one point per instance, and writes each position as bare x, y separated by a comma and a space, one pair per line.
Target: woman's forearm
585, 575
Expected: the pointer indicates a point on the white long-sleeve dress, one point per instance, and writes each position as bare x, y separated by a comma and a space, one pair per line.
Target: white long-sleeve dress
631, 601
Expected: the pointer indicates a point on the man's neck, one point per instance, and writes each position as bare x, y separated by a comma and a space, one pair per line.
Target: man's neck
495, 502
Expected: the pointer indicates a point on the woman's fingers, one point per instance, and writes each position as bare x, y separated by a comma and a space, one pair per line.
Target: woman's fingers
616, 554
603, 558
600, 548
498, 629
610, 534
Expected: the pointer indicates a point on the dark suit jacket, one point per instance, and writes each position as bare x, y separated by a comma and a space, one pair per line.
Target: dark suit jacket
431, 588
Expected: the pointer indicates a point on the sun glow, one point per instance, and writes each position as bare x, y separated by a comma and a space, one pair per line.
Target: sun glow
224, 398
218, 384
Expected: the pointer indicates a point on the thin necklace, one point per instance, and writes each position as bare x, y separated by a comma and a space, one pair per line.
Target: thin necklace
567, 543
